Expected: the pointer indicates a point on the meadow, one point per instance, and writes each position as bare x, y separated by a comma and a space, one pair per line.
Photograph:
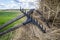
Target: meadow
5, 17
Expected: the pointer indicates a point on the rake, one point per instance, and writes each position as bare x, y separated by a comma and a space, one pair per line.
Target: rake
29, 20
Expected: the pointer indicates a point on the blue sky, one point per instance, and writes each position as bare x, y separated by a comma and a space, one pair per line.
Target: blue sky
12, 4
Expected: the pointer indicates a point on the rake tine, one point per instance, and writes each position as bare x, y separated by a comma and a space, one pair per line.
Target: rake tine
22, 10
38, 12
38, 25
28, 13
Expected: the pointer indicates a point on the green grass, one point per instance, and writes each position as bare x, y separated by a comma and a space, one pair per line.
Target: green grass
5, 17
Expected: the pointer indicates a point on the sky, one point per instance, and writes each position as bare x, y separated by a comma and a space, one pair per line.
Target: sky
15, 4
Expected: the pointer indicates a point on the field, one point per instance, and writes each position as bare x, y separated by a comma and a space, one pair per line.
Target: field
5, 17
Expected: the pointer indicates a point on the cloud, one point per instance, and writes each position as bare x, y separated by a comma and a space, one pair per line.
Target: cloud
26, 4
27, 0
2, 6
10, 5
29, 4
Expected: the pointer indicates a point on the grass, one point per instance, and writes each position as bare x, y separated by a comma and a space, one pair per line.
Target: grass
6, 16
